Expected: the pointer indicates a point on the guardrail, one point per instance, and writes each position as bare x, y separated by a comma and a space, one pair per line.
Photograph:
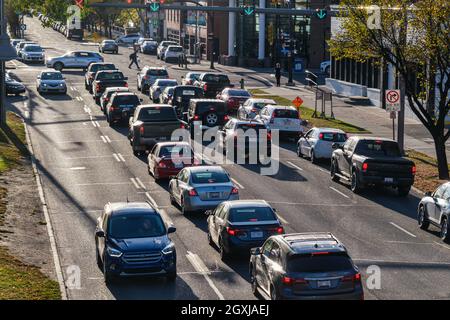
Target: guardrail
320, 94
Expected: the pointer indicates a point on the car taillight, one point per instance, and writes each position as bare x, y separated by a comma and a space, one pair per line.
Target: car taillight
196, 117
354, 278
182, 126
193, 192
232, 232
141, 130
146, 77
106, 99
112, 108
365, 166
226, 118
205, 87
280, 230
289, 281
126, 85
269, 136
234, 190
97, 86
162, 164
321, 136
413, 169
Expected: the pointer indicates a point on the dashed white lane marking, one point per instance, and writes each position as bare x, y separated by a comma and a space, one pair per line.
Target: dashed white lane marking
116, 157
101, 184
97, 124
295, 166
404, 230
121, 157
87, 109
200, 267
140, 183
103, 139
240, 186
441, 245
341, 193
79, 98
108, 139
78, 168
133, 180
152, 201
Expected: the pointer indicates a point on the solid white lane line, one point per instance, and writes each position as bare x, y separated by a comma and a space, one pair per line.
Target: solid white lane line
240, 186
121, 157
97, 123
441, 245
200, 267
78, 168
133, 180
101, 183
295, 166
341, 193
152, 201
116, 157
404, 230
401, 262
321, 204
108, 139
140, 183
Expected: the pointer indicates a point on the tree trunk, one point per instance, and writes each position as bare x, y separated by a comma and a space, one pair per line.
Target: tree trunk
441, 157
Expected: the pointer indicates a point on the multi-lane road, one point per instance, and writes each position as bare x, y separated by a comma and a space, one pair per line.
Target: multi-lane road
84, 164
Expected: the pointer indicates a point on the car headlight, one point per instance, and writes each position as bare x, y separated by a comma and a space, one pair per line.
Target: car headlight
61, 84
113, 252
169, 249
44, 84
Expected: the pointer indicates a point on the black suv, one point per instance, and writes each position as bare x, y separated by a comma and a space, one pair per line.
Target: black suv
121, 107
304, 266
211, 113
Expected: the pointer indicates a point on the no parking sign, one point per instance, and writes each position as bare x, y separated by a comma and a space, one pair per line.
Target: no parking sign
392, 100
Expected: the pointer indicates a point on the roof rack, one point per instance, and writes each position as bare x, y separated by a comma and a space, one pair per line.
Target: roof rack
309, 237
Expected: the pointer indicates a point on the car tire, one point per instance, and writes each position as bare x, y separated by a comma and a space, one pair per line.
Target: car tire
312, 157
184, 212
403, 191
210, 240
445, 232
224, 255
299, 151
172, 199
254, 282
355, 184
59, 66
333, 171
422, 219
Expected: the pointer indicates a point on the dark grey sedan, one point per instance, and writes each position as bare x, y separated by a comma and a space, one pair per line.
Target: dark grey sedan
108, 46
434, 209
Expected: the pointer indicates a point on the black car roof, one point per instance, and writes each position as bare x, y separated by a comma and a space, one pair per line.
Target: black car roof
130, 208
304, 243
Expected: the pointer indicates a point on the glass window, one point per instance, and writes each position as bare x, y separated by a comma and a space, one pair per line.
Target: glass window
176, 151
440, 191
319, 263
51, 76
334, 136
267, 247
109, 76
157, 114
129, 226
255, 214
157, 72
286, 113
274, 254
373, 148
209, 177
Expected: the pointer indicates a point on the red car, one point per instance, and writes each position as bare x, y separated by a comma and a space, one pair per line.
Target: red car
168, 158
234, 98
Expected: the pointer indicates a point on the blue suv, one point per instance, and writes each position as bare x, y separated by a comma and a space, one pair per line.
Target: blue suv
132, 239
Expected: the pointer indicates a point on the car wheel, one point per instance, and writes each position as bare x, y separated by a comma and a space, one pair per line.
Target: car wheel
423, 219
253, 282
445, 234
333, 171
355, 184
403, 191
211, 119
312, 157
184, 212
58, 66
172, 199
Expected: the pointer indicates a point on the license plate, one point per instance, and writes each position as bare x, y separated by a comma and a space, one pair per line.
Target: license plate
324, 284
389, 180
162, 138
214, 195
126, 109
256, 234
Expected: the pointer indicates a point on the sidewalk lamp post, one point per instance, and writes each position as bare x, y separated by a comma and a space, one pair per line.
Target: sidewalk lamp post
7, 53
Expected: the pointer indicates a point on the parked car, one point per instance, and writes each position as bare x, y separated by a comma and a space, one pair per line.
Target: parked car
190, 78
32, 53
121, 106
166, 95
251, 107
182, 96
107, 78
212, 83
304, 266
238, 226
20, 45
152, 123
434, 209
149, 47
201, 188
148, 75
92, 71
173, 53
234, 98
285, 119
162, 47
209, 112
317, 143
132, 239
158, 87
15, 42
106, 96
74, 60
141, 40
51, 81
128, 38
366, 161
168, 158
108, 46
235, 132
13, 86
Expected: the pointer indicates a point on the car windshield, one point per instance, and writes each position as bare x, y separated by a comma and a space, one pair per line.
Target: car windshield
256, 214
150, 43
51, 76
238, 93
218, 78
378, 148
166, 44
286, 113
110, 76
33, 49
157, 72
210, 177
319, 263
176, 151
126, 100
260, 105
136, 226
334, 136
157, 114
98, 67
167, 83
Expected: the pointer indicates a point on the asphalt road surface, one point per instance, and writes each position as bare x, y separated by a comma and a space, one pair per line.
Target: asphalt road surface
84, 164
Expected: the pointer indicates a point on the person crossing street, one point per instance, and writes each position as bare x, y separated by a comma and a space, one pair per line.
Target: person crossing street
134, 60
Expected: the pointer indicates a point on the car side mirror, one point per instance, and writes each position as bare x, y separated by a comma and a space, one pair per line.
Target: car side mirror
100, 233
171, 229
428, 193
256, 251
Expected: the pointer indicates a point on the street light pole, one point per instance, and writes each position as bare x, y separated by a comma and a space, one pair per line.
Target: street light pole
291, 51
2, 69
211, 66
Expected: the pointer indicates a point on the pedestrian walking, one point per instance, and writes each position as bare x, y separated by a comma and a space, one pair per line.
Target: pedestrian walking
278, 73
134, 60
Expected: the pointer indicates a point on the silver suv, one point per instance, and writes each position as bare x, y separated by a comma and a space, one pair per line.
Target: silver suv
148, 75
74, 60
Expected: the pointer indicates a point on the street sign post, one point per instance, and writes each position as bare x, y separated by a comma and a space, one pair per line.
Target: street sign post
23, 27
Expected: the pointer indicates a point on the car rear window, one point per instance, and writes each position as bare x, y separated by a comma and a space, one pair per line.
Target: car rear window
286, 113
319, 263
176, 49
334, 136
215, 106
176, 151
378, 148
110, 76
136, 226
98, 67
210, 177
255, 214
247, 126
157, 114
218, 78
126, 100
167, 83
157, 72
150, 43
51, 76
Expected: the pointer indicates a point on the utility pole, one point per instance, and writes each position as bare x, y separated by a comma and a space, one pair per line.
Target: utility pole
291, 48
402, 86
196, 44
2, 69
211, 66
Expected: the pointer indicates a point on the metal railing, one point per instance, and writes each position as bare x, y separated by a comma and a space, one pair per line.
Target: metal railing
320, 94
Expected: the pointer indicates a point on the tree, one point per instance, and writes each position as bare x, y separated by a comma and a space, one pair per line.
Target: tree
421, 51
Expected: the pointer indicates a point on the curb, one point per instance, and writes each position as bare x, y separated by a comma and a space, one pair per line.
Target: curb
51, 235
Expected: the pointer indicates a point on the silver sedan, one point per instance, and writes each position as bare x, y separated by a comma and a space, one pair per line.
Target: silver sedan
201, 188
51, 81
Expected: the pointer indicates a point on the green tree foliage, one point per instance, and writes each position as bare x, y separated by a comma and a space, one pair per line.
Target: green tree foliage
414, 37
